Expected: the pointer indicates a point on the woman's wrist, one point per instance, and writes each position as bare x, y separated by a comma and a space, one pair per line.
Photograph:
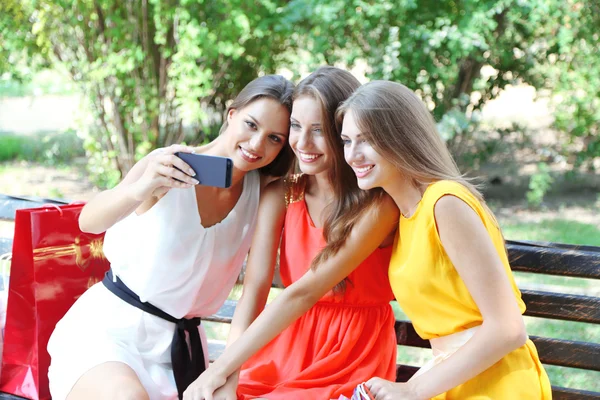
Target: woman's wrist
218, 369
235, 376
133, 193
417, 390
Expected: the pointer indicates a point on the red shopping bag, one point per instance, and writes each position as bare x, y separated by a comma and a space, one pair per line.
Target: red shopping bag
53, 263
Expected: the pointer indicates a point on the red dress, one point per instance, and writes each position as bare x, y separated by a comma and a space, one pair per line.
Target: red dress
342, 341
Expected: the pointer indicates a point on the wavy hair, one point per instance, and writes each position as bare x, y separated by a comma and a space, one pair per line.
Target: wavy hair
330, 87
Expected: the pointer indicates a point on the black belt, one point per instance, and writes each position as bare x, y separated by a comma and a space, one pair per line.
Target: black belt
186, 368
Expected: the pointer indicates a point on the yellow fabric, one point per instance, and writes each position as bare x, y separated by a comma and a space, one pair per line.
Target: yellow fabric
434, 297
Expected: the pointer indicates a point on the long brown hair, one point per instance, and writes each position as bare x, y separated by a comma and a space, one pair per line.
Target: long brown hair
396, 122
330, 86
274, 87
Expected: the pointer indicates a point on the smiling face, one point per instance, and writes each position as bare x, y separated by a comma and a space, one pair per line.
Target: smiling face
256, 133
371, 168
307, 138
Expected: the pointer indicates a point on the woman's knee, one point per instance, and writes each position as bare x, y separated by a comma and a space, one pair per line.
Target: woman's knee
130, 393
112, 380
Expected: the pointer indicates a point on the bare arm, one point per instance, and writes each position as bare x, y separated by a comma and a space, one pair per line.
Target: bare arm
472, 252
261, 260
260, 265
369, 232
148, 180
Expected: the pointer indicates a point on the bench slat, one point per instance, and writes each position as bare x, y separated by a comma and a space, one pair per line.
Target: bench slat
405, 372
10, 204
407, 336
561, 393
225, 313
6, 396
554, 259
215, 349
568, 353
564, 246
568, 307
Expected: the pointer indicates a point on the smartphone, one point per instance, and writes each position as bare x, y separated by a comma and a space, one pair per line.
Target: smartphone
210, 170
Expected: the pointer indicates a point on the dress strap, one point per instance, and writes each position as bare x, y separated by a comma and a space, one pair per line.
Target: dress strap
294, 188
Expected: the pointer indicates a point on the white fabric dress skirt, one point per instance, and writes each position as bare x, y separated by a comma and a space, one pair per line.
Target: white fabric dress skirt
117, 332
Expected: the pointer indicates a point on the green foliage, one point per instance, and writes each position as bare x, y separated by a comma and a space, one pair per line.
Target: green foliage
574, 51
159, 72
10, 147
539, 184
467, 142
20, 52
54, 148
438, 49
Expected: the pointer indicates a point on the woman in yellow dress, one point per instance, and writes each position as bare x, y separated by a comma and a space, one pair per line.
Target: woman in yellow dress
449, 269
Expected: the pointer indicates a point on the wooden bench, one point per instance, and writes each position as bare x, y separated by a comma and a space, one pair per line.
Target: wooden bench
537, 258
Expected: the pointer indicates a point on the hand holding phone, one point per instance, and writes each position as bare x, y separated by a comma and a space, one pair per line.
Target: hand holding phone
158, 172
210, 170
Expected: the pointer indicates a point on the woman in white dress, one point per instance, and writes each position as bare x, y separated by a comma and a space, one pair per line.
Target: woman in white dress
176, 249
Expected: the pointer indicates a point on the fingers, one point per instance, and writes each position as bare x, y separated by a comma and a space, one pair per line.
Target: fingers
174, 148
375, 385
225, 394
174, 173
174, 161
198, 394
193, 394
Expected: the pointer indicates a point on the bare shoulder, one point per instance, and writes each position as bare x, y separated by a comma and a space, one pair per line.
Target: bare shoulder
457, 223
450, 208
273, 194
381, 209
382, 214
387, 207
266, 180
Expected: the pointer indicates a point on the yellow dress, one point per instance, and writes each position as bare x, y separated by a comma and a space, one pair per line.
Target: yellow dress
434, 297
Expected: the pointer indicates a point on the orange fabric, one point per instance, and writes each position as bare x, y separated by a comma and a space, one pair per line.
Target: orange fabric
344, 340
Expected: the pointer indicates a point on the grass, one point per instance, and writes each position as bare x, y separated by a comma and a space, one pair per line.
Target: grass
52, 148
554, 230
11, 146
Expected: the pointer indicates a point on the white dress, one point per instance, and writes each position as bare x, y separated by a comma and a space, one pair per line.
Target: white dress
171, 261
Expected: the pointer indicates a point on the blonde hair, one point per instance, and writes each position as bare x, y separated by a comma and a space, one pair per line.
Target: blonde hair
396, 122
